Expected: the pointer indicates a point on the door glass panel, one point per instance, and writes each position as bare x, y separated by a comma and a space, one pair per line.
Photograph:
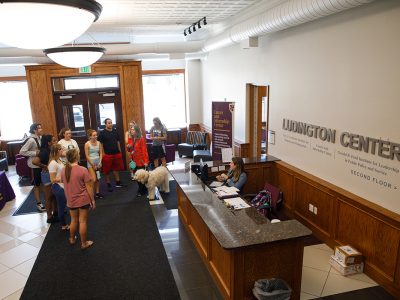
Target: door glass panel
104, 111
74, 119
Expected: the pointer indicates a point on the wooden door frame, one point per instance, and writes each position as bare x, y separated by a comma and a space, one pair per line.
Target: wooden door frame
255, 109
41, 92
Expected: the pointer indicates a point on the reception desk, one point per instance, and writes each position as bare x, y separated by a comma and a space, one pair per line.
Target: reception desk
239, 247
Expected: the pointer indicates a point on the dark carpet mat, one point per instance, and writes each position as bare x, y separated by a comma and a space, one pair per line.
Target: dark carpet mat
170, 199
372, 293
127, 260
29, 205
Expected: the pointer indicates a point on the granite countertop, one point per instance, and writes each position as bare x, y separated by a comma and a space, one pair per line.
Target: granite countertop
234, 229
251, 160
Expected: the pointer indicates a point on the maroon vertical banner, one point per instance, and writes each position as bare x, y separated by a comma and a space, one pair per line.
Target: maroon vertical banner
222, 127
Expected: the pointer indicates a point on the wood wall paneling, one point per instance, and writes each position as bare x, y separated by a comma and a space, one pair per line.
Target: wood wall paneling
199, 230
377, 240
344, 218
254, 179
305, 194
12, 78
241, 149
184, 131
285, 183
183, 205
131, 85
220, 262
284, 265
41, 99
269, 174
194, 127
39, 80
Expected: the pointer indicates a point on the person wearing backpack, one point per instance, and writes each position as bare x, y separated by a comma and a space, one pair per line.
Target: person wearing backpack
236, 175
31, 149
42, 160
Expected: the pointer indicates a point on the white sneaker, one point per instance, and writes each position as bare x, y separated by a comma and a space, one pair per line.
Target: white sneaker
40, 207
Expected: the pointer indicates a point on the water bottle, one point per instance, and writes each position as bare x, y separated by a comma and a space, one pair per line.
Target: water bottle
98, 175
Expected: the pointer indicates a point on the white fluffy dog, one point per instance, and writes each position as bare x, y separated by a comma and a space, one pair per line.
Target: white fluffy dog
151, 179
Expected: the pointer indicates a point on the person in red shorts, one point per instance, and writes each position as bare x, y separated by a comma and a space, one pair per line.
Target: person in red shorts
112, 158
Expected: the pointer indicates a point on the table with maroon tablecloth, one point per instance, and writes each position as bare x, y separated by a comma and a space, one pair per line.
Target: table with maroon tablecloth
6, 190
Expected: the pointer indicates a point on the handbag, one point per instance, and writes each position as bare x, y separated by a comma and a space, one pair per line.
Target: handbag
45, 178
132, 165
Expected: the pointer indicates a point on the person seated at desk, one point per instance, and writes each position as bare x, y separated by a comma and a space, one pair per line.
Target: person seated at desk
236, 175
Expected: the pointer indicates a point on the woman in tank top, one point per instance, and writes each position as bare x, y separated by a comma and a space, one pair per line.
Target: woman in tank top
94, 154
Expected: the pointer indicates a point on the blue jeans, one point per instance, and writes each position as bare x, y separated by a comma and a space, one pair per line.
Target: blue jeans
58, 192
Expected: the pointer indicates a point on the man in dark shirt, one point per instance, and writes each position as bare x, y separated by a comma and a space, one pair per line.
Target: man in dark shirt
112, 158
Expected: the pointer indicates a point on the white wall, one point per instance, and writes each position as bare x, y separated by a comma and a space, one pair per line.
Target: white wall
193, 87
341, 72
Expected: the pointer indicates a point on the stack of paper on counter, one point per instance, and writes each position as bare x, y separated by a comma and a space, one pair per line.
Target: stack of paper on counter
216, 184
226, 192
236, 203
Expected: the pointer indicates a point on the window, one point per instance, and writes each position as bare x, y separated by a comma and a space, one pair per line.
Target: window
164, 97
15, 112
91, 82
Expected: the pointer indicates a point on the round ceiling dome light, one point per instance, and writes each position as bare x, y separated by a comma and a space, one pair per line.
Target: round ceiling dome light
75, 57
45, 24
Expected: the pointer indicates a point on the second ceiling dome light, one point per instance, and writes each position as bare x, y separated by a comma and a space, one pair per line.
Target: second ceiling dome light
45, 24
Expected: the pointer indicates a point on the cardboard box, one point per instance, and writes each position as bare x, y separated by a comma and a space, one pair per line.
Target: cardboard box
344, 269
348, 255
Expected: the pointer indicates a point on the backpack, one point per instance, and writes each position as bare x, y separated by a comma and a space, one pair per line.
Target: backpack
262, 202
28, 138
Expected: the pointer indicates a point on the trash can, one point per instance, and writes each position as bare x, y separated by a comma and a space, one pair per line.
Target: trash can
271, 289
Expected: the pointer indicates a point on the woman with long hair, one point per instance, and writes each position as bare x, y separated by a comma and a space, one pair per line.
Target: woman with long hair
158, 133
42, 160
55, 167
137, 149
128, 134
94, 155
66, 143
236, 175
78, 186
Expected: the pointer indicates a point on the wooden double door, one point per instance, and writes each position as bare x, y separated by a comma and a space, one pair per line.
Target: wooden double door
83, 110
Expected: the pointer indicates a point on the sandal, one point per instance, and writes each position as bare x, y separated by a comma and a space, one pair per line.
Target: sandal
72, 241
65, 228
86, 245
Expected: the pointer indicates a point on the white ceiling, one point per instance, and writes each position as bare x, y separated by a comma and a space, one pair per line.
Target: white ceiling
149, 21
168, 12
141, 21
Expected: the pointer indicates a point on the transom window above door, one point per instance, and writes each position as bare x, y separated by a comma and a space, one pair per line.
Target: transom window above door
85, 83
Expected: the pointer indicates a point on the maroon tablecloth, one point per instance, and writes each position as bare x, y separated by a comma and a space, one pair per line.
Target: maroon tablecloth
6, 190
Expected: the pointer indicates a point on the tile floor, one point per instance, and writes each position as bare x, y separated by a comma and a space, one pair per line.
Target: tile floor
21, 238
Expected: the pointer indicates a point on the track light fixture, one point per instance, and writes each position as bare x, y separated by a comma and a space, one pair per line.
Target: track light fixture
192, 28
